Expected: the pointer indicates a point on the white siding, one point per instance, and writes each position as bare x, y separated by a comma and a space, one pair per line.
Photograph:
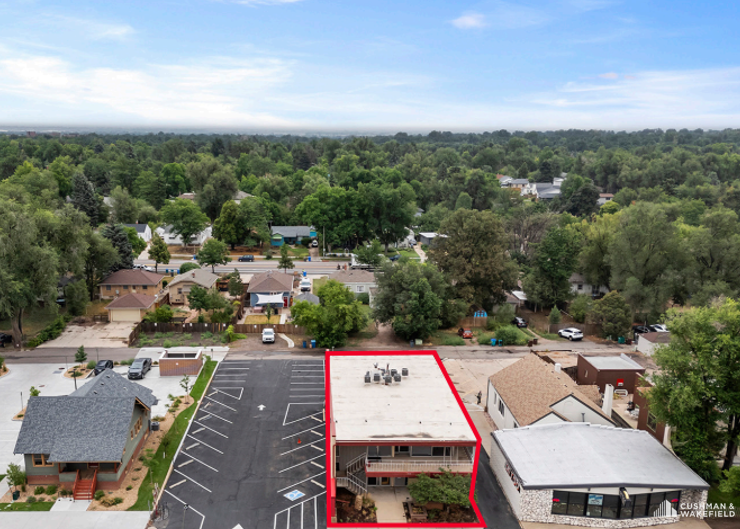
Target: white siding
503, 421
575, 411
498, 465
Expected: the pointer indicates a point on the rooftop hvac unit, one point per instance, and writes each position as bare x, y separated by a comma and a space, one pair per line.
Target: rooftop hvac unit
367, 377
376, 377
405, 371
388, 380
397, 378
393, 372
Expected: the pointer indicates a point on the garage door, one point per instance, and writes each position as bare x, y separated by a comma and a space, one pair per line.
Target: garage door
133, 315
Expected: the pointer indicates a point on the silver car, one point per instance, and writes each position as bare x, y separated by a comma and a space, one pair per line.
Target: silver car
571, 333
268, 336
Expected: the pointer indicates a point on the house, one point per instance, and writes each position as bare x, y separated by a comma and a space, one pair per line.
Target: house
546, 191
130, 281
172, 238
578, 285
357, 281
131, 307
238, 196
271, 288
604, 198
291, 234
621, 372
187, 196
393, 417
88, 439
593, 476
181, 284
307, 296
646, 420
426, 237
142, 230
647, 342
532, 391
409, 241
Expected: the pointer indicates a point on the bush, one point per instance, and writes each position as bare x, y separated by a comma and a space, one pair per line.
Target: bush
162, 314
306, 241
91, 364
187, 267
731, 483
99, 495
364, 298
52, 331
64, 492
581, 307
39, 490
504, 314
127, 362
510, 335
168, 344
453, 340
164, 283
206, 335
31, 499
555, 317
268, 254
201, 318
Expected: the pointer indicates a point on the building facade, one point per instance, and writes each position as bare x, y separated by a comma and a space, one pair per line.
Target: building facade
620, 371
125, 282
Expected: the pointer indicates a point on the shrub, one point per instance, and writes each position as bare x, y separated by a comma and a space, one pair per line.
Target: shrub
144, 341
91, 364
187, 267
453, 340
504, 314
268, 254
129, 487
162, 314
64, 492
99, 495
34, 392
164, 283
110, 502
158, 335
510, 335
168, 344
581, 307
364, 298
39, 490
187, 336
206, 335
306, 241
555, 317
42, 498
31, 499
232, 336
201, 318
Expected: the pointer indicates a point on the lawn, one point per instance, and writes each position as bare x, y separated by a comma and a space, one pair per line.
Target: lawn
448, 337
177, 339
411, 254
27, 507
298, 251
35, 320
318, 283
717, 496
258, 319
162, 459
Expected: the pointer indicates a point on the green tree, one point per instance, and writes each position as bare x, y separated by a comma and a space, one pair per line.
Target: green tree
15, 476
229, 227
198, 298
138, 244
152, 188
116, 234
338, 315
83, 197
236, 287
474, 255
158, 251
214, 252
76, 297
286, 262
124, 208
583, 202
185, 217
221, 188
371, 255
99, 258
161, 314
254, 220
554, 262
554, 317
446, 488
464, 201
81, 355
187, 267
595, 259
580, 308
186, 384
62, 168
697, 385
613, 313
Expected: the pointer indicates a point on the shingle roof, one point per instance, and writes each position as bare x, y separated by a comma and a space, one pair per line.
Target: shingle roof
307, 296
292, 231
271, 281
111, 384
353, 276
76, 429
655, 337
530, 387
200, 276
132, 301
140, 228
132, 277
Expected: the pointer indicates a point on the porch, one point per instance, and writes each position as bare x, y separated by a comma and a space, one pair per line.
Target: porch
457, 460
389, 502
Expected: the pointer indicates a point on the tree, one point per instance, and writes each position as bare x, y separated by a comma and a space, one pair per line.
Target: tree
236, 287
138, 244
474, 255
83, 197
15, 476
416, 299
584, 201
371, 255
613, 313
554, 318
214, 252
464, 201
446, 488
124, 208
187, 267
152, 188
81, 355
595, 259
221, 187
198, 298
697, 384
161, 314
555, 260
158, 251
581, 307
338, 314
185, 217
118, 237
229, 227
286, 263
254, 217
75, 296
185, 384
100, 257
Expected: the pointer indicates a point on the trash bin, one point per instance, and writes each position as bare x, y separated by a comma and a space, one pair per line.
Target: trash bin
309, 258
304, 344
536, 341
16, 495
620, 339
155, 426
493, 342
411, 343
530, 343
304, 273
313, 344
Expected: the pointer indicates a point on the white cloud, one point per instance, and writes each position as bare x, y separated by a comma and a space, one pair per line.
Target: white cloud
90, 28
470, 21
609, 75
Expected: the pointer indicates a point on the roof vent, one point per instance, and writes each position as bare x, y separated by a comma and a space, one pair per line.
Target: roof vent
397, 378
405, 371
367, 377
193, 274
388, 380
376, 377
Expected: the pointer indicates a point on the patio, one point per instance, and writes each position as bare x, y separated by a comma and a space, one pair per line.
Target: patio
389, 502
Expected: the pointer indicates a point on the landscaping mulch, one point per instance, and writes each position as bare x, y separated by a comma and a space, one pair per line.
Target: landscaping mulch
346, 512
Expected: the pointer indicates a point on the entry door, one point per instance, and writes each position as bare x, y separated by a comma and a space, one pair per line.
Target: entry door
285, 302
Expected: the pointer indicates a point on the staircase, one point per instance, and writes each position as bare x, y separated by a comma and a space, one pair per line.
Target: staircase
356, 481
84, 489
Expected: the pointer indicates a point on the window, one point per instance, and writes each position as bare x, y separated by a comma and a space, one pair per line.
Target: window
403, 449
179, 291
559, 502
652, 421
108, 467
40, 460
501, 407
580, 286
385, 481
655, 501
640, 505
360, 288
576, 503
421, 451
107, 287
585, 375
441, 451
145, 287
610, 506
372, 481
594, 505
379, 451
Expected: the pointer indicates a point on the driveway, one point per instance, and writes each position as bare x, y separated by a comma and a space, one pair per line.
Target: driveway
97, 335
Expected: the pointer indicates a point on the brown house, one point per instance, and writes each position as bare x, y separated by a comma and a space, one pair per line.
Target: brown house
181, 285
620, 371
131, 307
645, 420
125, 282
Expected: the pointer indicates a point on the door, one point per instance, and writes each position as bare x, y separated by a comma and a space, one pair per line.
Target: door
285, 302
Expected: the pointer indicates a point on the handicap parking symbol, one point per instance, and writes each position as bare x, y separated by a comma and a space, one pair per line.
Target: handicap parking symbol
294, 495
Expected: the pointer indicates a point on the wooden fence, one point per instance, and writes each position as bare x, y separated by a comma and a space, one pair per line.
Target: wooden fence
470, 321
145, 327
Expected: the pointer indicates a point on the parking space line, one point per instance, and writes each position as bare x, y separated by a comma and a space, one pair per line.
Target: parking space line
192, 446
214, 431
304, 396
178, 483
299, 433
294, 484
308, 383
221, 403
317, 447
190, 508
319, 484
307, 376
314, 498
316, 418
185, 463
302, 418
316, 433
191, 479
315, 513
204, 464
299, 464
241, 392
314, 463
206, 445
303, 446
231, 368
218, 417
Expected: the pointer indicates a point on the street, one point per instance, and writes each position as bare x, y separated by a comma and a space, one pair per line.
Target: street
260, 265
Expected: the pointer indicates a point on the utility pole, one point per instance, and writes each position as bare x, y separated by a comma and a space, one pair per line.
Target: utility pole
323, 241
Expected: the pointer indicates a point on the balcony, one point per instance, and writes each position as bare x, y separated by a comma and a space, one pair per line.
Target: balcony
463, 464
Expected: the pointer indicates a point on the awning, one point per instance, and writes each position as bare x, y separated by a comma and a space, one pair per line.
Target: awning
267, 299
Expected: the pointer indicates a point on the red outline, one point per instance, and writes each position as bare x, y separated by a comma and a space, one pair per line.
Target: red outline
330, 433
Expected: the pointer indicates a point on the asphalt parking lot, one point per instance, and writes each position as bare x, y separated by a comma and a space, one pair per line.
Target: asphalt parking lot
254, 456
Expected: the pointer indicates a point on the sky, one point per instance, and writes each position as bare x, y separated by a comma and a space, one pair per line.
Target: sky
381, 66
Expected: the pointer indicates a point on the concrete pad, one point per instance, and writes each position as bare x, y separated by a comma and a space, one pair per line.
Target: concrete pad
290, 342
91, 336
684, 523
78, 520
389, 501
70, 505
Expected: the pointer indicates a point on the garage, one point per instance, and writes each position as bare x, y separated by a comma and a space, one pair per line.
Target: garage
130, 308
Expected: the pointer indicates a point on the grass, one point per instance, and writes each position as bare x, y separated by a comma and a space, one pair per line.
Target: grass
318, 283
35, 320
368, 332
298, 251
97, 307
27, 507
258, 319
717, 496
411, 254
162, 459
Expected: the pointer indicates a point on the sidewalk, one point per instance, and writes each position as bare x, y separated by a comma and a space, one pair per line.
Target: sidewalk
78, 520
422, 255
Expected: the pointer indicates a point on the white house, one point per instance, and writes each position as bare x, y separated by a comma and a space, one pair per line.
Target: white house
532, 391
358, 281
604, 198
649, 341
578, 285
174, 239
142, 230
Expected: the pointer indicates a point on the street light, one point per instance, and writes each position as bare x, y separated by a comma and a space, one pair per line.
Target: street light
184, 510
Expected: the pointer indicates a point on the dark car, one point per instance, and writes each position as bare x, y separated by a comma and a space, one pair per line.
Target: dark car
519, 322
395, 257
139, 368
246, 258
640, 329
5, 338
101, 366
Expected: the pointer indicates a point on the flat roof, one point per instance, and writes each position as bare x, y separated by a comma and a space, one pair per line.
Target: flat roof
576, 455
421, 407
622, 362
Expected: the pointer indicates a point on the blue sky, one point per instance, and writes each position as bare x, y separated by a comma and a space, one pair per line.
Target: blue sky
385, 66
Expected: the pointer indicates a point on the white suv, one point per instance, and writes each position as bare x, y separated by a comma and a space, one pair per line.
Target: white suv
268, 336
305, 285
571, 333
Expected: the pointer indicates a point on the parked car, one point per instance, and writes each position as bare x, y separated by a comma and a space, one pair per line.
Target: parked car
101, 366
246, 258
305, 285
519, 322
268, 336
314, 244
571, 333
139, 368
465, 333
61, 302
5, 338
658, 327
640, 329
395, 257
144, 267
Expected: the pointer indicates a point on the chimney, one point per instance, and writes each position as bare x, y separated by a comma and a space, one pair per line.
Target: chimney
606, 406
558, 368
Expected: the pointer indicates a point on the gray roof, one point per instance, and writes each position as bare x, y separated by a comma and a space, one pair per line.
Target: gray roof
307, 296
200, 276
577, 455
111, 384
547, 190
292, 231
518, 181
140, 228
621, 362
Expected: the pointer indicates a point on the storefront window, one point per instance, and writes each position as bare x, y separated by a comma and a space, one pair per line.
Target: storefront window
559, 502
593, 507
576, 503
611, 506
